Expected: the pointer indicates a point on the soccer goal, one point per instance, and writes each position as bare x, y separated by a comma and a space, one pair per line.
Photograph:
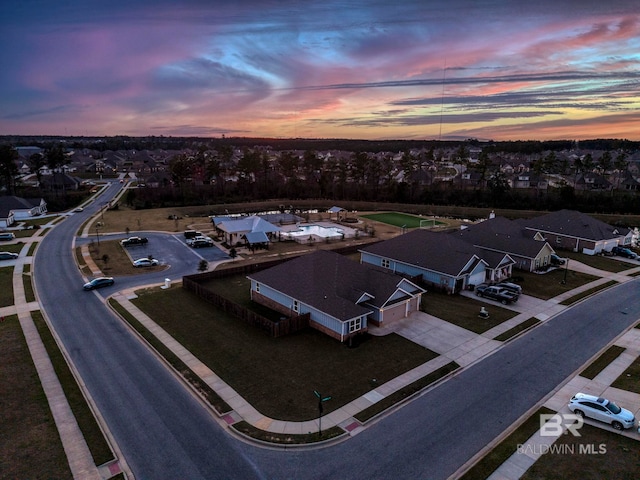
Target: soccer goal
428, 223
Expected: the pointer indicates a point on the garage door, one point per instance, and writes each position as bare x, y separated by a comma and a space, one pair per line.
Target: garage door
396, 312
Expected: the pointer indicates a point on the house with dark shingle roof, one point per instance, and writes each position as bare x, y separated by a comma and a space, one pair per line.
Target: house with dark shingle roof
341, 296
501, 235
439, 259
17, 208
572, 230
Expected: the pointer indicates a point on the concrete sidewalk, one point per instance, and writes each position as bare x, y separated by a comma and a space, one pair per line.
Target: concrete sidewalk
75, 447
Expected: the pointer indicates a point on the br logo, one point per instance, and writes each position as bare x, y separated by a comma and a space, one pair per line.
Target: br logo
555, 424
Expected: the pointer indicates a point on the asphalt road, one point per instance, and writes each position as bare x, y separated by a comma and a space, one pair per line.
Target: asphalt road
165, 433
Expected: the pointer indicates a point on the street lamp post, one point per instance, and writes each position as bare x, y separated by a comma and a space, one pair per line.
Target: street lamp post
321, 400
98, 234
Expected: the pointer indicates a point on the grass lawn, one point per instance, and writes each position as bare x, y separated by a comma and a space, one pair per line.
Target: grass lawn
602, 362
279, 375
400, 219
620, 460
118, 258
13, 248
463, 311
30, 446
598, 261
6, 286
548, 285
630, 378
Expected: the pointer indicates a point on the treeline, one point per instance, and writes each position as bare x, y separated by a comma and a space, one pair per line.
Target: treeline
518, 199
123, 142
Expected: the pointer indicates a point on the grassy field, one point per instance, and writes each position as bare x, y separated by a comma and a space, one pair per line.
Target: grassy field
400, 219
30, 446
550, 284
602, 362
463, 311
278, 376
6, 284
608, 264
630, 378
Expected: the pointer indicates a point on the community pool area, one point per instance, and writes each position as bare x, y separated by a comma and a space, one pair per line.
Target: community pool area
314, 232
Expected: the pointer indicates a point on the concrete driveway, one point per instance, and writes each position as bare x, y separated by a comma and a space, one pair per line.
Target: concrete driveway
456, 343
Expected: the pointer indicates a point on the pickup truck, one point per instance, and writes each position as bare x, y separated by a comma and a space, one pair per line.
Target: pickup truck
134, 241
494, 292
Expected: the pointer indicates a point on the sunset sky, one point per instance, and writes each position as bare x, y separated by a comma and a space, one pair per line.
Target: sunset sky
378, 69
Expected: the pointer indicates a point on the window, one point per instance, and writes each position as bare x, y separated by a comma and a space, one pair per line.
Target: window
355, 325
296, 306
386, 263
257, 288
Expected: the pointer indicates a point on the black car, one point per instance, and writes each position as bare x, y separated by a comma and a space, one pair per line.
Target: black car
556, 260
8, 256
134, 241
623, 252
98, 283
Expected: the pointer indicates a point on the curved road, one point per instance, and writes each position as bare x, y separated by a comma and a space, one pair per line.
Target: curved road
165, 433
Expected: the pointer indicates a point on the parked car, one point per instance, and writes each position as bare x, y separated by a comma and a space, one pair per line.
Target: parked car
556, 260
7, 236
191, 234
624, 252
134, 241
513, 287
494, 292
199, 237
207, 242
601, 409
145, 262
8, 256
98, 283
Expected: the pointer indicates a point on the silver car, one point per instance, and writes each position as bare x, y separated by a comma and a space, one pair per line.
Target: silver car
601, 409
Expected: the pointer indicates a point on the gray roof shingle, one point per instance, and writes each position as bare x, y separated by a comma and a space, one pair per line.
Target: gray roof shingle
575, 224
435, 251
331, 283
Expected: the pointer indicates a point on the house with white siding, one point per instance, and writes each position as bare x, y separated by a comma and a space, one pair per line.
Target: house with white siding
14, 208
342, 297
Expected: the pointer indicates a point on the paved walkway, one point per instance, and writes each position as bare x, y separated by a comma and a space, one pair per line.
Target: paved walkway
75, 447
451, 342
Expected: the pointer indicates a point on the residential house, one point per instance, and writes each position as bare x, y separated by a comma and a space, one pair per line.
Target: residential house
572, 230
592, 181
439, 259
14, 208
499, 234
340, 295
60, 181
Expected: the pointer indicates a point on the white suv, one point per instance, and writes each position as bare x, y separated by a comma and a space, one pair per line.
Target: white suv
601, 409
